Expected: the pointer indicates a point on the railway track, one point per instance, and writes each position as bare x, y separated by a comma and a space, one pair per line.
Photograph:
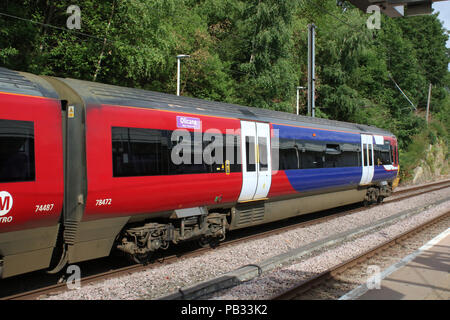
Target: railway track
299, 289
314, 218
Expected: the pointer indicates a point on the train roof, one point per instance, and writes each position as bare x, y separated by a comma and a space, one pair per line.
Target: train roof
25, 83
94, 94
97, 93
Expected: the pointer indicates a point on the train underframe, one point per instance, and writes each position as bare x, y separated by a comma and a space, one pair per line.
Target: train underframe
140, 242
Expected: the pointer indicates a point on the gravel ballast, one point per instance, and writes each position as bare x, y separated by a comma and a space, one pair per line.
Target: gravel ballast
282, 279
165, 279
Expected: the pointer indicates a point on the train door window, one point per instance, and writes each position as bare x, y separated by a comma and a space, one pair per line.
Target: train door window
365, 155
262, 149
250, 152
370, 155
16, 151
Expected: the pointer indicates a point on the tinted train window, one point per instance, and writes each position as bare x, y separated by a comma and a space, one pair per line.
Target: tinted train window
383, 154
16, 151
232, 152
139, 152
287, 154
312, 159
263, 161
307, 154
365, 150
148, 152
250, 152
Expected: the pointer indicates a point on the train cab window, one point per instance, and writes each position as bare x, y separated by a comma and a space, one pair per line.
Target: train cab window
16, 151
383, 154
391, 154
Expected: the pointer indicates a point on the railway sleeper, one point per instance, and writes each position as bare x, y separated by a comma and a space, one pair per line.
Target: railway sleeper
139, 243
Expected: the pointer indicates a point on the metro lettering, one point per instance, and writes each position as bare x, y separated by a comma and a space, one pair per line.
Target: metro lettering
4, 203
6, 219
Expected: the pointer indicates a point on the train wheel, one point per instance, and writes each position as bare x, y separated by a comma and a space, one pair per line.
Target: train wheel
141, 258
208, 242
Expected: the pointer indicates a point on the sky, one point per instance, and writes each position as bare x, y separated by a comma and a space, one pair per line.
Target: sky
443, 7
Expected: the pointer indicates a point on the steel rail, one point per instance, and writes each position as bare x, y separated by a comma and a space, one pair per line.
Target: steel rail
61, 287
303, 286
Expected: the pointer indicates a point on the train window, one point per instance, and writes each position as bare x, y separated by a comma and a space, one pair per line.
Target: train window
250, 152
396, 155
391, 154
313, 154
365, 155
348, 159
383, 154
331, 161
288, 157
16, 151
148, 152
332, 156
312, 159
262, 147
305, 154
232, 152
370, 155
139, 152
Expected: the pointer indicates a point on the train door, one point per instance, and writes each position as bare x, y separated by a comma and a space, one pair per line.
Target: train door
367, 159
256, 162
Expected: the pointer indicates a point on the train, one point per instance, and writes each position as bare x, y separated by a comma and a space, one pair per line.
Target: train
87, 169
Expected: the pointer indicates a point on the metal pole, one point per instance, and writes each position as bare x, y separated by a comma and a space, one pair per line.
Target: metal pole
178, 76
428, 102
298, 97
311, 69
179, 57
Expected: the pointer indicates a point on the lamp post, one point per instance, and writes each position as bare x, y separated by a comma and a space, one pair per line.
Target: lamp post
298, 96
179, 57
311, 69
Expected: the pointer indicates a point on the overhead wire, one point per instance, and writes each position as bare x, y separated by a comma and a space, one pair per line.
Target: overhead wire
51, 26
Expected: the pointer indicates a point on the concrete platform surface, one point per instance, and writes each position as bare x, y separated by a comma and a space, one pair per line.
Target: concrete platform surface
422, 275
426, 277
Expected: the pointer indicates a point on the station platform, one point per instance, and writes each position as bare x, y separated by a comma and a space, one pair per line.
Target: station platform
423, 275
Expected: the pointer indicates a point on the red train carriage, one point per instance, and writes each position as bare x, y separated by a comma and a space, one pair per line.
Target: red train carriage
31, 174
86, 168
